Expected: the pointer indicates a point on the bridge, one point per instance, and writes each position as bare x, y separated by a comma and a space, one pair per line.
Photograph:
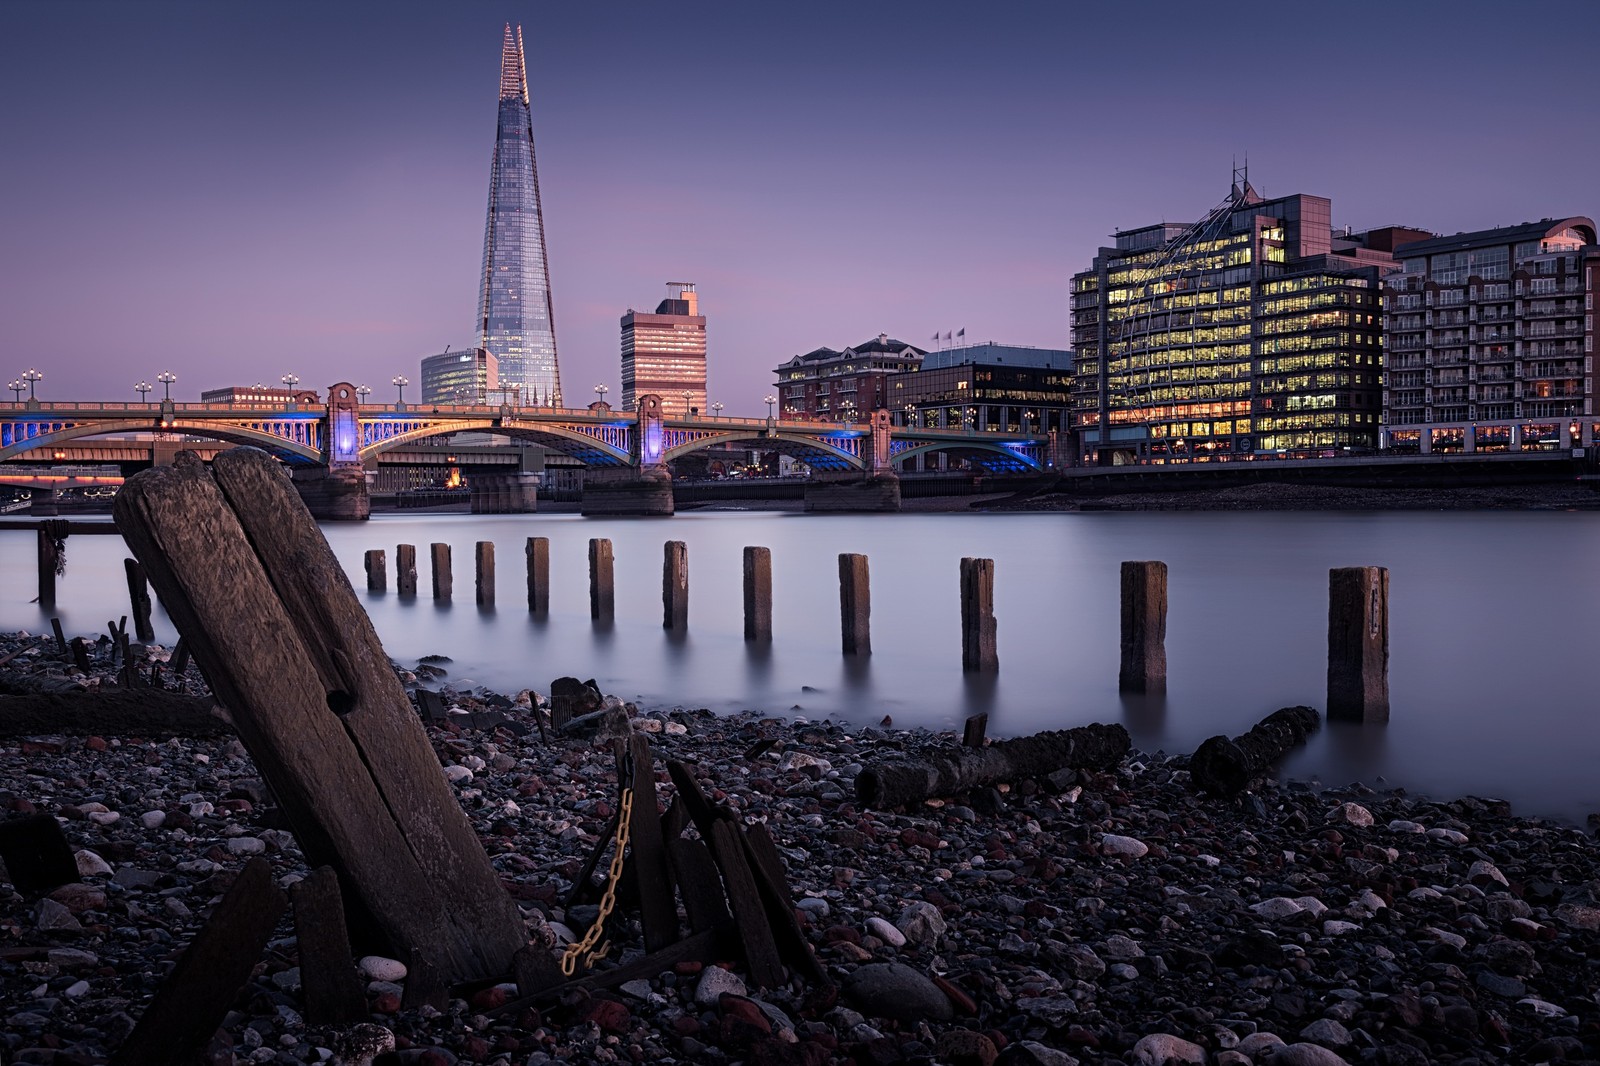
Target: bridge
329, 447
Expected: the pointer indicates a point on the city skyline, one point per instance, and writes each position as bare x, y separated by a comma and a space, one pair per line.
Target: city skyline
291, 189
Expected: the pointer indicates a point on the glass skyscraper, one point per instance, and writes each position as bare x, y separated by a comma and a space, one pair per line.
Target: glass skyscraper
515, 322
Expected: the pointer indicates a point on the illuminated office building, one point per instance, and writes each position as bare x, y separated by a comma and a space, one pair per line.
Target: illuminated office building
470, 375
1254, 330
847, 386
986, 386
515, 320
665, 353
1489, 340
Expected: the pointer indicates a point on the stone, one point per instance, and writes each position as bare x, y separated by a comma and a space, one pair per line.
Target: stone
963, 1047
1304, 1054
1328, 1033
885, 931
715, 982
1483, 873
51, 916
1123, 847
90, 864
1277, 908
1033, 1053
921, 923
153, 819
1351, 814
815, 906
894, 990
246, 845
1257, 1043
1161, 1049
379, 968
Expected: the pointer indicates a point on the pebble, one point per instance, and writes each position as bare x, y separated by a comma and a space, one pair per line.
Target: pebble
885, 931
714, 983
894, 990
379, 968
91, 865
1123, 846
1164, 1049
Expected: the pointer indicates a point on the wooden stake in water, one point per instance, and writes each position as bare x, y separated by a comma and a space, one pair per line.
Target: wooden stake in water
978, 643
139, 600
538, 553
377, 561
483, 559
855, 604
405, 569
1144, 628
602, 582
758, 594
1358, 643
675, 586
443, 578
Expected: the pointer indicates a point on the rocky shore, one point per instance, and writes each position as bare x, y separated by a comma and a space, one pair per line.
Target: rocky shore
1086, 917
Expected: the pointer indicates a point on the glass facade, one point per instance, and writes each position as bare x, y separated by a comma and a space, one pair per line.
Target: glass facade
515, 320
468, 376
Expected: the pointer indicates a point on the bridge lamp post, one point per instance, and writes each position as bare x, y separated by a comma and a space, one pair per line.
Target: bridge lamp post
716, 409
32, 377
600, 391
769, 400
400, 381
685, 394
363, 391
143, 389
166, 377
16, 387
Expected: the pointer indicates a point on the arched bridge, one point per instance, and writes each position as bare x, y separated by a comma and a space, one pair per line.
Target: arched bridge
345, 433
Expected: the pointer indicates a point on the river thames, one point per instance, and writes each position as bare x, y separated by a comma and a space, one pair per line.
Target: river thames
1488, 634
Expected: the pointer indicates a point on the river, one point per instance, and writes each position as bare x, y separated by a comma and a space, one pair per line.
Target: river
1487, 637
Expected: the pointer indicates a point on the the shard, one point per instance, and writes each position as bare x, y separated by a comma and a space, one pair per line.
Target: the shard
515, 320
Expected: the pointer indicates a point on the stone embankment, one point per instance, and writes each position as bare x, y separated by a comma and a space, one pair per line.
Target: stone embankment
1574, 496
1093, 917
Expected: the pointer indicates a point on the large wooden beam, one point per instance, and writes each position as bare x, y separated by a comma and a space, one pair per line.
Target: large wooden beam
251, 584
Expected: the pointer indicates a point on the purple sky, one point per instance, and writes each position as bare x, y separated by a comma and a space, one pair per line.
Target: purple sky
239, 191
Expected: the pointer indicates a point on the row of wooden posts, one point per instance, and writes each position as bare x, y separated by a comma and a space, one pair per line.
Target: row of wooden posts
978, 627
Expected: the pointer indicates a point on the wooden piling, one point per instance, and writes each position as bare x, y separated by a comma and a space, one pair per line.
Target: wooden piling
602, 581
139, 600
1144, 627
675, 586
758, 594
855, 604
331, 988
483, 558
978, 644
1358, 643
538, 553
443, 577
405, 569
377, 561
49, 560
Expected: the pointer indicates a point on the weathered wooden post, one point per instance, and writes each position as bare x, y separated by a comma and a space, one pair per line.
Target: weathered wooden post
377, 562
1358, 643
49, 563
855, 604
1144, 628
978, 650
139, 600
405, 569
443, 578
675, 586
757, 593
279, 634
538, 553
484, 571
602, 582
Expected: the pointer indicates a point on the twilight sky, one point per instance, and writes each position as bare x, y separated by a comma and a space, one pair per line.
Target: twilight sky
239, 191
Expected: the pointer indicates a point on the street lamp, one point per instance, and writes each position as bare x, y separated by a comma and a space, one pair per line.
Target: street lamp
400, 381
166, 377
716, 409
685, 394
910, 409
17, 386
601, 390
769, 400
32, 377
143, 389
363, 391
290, 381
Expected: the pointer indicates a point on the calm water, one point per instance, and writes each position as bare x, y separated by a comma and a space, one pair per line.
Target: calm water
1488, 671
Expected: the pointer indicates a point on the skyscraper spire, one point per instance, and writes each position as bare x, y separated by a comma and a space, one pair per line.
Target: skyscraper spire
515, 318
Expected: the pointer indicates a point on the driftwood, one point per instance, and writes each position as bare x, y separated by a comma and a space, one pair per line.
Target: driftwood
111, 713
254, 589
944, 773
1226, 767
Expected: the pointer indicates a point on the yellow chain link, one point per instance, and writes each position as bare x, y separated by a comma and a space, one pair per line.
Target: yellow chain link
582, 949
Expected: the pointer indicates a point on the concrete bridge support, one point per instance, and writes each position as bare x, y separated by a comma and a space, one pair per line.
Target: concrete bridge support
876, 490
627, 491
505, 493
337, 495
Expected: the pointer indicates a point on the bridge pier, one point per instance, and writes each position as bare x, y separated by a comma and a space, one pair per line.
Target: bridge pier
853, 493
505, 493
336, 495
627, 491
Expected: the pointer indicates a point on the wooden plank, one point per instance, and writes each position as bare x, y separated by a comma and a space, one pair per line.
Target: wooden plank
191, 1003
424, 986
536, 969
694, 869
431, 706
139, 599
583, 884
36, 853
749, 912
111, 712
694, 801
330, 985
976, 727
61, 638
287, 648
773, 881
658, 909
80, 654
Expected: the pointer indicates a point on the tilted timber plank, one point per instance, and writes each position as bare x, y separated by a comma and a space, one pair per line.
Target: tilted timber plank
178, 524
657, 908
330, 986
773, 881
702, 889
195, 997
376, 712
749, 913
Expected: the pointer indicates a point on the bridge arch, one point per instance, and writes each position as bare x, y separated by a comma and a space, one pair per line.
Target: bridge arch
590, 449
233, 434
1012, 454
795, 444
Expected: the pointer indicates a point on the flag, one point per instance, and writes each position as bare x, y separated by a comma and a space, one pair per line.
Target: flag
936, 338
946, 334
963, 332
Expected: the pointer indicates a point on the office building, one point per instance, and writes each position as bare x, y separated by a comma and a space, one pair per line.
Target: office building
515, 319
470, 375
665, 353
1254, 330
986, 386
1489, 340
261, 396
844, 386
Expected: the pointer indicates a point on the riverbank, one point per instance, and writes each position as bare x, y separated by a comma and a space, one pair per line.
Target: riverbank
1090, 917
1564, 496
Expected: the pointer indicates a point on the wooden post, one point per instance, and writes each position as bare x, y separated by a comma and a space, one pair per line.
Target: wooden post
377, 561
331, 987
1358, 643
405, 569
484, 558
658, 912
758, 594
139, 598
602, 582
279, 634
675, 586
855, 604
49, 560
978, 650
443, 578
1144, 628
538, 553
976, 727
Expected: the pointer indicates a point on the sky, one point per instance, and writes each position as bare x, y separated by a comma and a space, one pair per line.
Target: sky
234, 192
